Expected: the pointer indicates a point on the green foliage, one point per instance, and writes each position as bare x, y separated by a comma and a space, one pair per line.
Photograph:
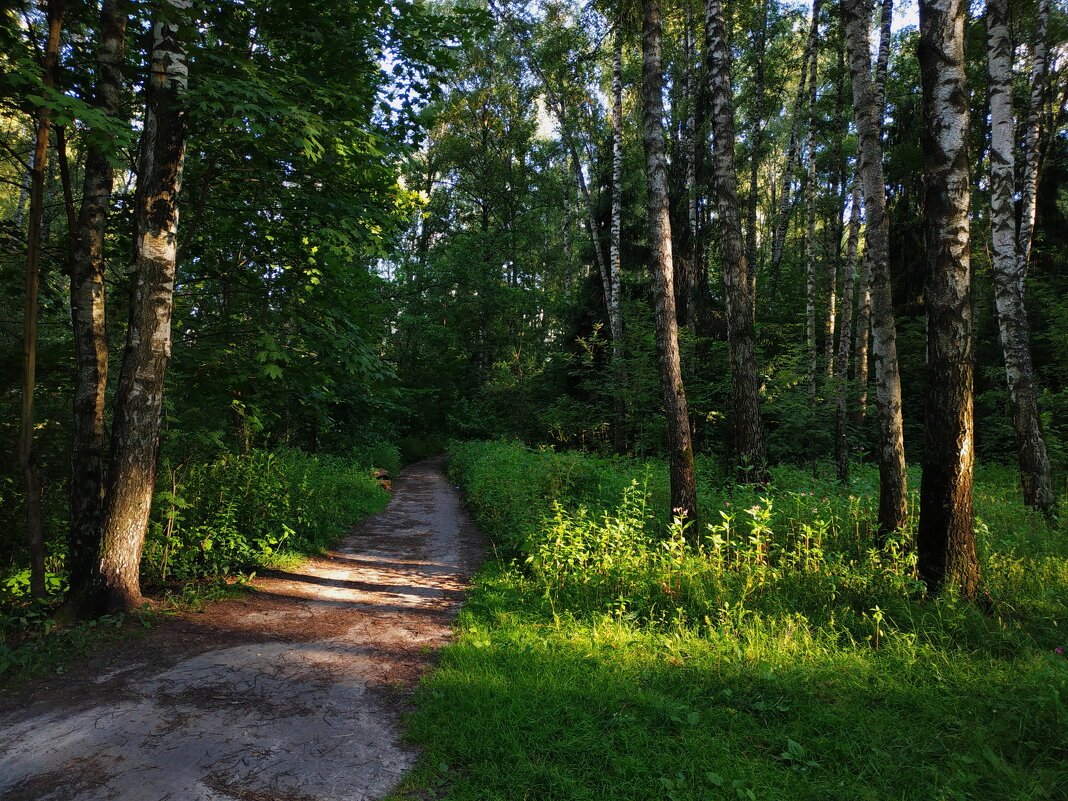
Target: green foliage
241, 511
770, 650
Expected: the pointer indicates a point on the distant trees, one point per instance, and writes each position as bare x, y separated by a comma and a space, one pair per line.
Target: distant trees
538, 234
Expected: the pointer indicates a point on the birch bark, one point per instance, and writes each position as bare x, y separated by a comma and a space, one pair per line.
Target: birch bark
1010, 264
680, 448
88, 315
139, 400
810, 202
1032, 136
745, 380
615, 313
945, 540
863, 334
893, 508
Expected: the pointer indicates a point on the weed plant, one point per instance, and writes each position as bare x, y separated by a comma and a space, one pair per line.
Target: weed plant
769, 650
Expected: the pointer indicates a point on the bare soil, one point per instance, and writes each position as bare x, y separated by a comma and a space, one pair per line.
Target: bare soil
291, 693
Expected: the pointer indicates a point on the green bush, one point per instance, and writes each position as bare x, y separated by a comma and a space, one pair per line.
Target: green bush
241, 510
767, 650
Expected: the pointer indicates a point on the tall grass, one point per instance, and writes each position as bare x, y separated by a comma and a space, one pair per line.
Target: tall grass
768, 650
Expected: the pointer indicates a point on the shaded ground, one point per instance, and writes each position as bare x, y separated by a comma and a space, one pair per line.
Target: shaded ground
293, 692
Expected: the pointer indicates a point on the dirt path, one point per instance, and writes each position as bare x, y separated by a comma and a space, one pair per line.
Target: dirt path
291, 693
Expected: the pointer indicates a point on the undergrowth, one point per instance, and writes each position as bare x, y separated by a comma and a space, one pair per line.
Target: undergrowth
769, 650
213, 524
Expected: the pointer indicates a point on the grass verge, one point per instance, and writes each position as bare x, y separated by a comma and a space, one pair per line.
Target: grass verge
770, 652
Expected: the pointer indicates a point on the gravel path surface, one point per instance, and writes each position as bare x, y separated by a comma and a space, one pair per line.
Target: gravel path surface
293, 692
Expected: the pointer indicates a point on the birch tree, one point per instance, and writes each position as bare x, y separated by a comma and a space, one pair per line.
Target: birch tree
139, 401
615, 312
810, 202
680, 448
745, 380
1011, 250
863, 333
893, 508
945, 541
88, 315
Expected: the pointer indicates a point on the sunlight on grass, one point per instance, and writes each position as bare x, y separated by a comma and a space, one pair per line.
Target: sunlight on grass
769, 651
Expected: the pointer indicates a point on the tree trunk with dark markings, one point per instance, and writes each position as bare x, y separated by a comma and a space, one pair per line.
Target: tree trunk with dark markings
88, 316
1010, 259
945, 540
745, 380
139, 401
680, 448
893, 507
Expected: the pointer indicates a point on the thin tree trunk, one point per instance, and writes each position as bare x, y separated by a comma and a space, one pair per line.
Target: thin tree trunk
65, 187
755, 154
686, 267
810, 201
1032, 138
615, 313
694, 254
745, 380
680, 449
863, 334
27, 456
782, 218
834, 237
841, 371
882, 60
1009, 268
893, 507
945, 541
139, 402
87, 315
591, 216
569, 248
863, 337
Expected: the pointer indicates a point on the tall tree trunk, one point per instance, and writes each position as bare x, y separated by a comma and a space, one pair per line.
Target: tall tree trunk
810, 201
893, 507
1032, 138
680, 448
694, 253
745, 380
591, 214
27, 457
757, 143
841, 365
139, 401
87, 315
839, 191
1010, 267
615, 312
863, 335
945, 541
782, 218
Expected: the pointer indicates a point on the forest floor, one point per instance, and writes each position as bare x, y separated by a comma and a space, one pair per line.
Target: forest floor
292, 692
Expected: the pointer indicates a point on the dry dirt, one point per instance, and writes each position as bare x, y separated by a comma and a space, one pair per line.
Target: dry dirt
291, 693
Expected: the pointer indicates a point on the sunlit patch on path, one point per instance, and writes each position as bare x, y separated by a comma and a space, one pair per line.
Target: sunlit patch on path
293, 692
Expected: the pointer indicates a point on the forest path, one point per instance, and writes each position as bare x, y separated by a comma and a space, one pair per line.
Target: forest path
291, 693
